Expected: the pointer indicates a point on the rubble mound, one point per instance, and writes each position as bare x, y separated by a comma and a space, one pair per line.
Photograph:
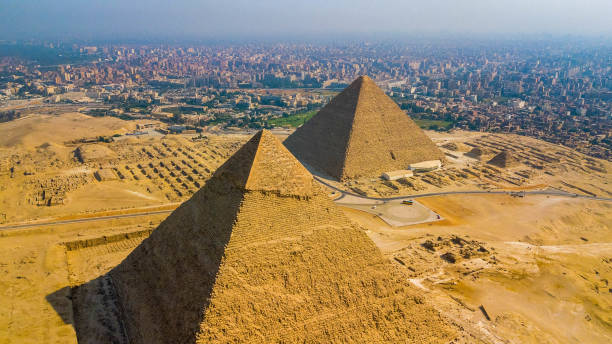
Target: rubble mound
454, 248
361, 132
261, 254
504, 160
94, 152
105, 174
456, 146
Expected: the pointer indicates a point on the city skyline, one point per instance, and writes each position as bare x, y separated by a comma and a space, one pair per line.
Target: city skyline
319, 19
271, 171
556, 90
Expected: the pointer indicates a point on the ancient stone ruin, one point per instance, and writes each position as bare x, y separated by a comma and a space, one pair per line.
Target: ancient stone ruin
361, 132
504, 159
261, 254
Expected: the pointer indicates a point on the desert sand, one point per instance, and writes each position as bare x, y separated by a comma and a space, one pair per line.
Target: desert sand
539, 266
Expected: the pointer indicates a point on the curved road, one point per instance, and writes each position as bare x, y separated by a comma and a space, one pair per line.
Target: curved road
535, 192
342, 192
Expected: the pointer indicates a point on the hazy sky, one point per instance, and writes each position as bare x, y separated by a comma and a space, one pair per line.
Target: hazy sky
205, 18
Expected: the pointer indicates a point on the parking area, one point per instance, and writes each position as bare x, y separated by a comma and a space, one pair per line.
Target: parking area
395, 213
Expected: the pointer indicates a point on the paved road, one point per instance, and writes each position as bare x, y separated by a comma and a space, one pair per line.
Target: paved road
87, 219
342, 192
558, 193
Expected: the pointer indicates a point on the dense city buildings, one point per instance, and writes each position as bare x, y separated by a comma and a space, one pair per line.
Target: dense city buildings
555, 90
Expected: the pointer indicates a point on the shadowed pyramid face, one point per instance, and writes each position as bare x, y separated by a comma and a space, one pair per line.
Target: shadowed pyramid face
261, 254
361, 132
504, 159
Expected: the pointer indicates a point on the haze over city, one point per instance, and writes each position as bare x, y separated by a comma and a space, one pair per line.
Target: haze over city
305, 171
193, 19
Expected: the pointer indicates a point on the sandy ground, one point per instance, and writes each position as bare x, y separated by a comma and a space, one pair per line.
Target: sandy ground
37, 130
42, 179
542, 279
36, 272
539, 266
561, 263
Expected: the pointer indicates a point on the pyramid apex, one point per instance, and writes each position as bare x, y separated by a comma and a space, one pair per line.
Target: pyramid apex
361, 132
264, 164
363, 79
266, 133
504, 159
363, 85
258, 259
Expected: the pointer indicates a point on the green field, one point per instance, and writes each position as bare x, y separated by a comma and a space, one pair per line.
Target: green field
294, 120
298, 119
432, 124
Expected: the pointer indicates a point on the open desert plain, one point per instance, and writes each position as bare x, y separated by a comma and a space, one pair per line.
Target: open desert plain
305, 172
509, 242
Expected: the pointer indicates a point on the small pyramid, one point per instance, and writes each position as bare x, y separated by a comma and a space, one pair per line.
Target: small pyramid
261, 254
361, 132
504, 160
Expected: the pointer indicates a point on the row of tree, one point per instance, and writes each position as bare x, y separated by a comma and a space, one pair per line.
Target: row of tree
6, 116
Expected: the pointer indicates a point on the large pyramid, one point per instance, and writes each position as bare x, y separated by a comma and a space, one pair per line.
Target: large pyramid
261, 255
361, 132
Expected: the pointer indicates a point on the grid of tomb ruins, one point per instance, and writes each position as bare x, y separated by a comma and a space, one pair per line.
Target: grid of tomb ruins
173, 168
176, 168
539, 165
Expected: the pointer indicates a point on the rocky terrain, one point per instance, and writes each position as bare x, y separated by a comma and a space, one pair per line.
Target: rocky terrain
531, 164
503, 269
63, 178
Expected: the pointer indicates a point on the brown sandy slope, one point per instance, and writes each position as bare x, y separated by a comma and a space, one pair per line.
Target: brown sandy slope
260, 254
361, 132
35, 277
542, 274
36, 130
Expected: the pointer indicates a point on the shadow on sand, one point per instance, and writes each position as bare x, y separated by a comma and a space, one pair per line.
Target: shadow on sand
160, 292
61, 300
